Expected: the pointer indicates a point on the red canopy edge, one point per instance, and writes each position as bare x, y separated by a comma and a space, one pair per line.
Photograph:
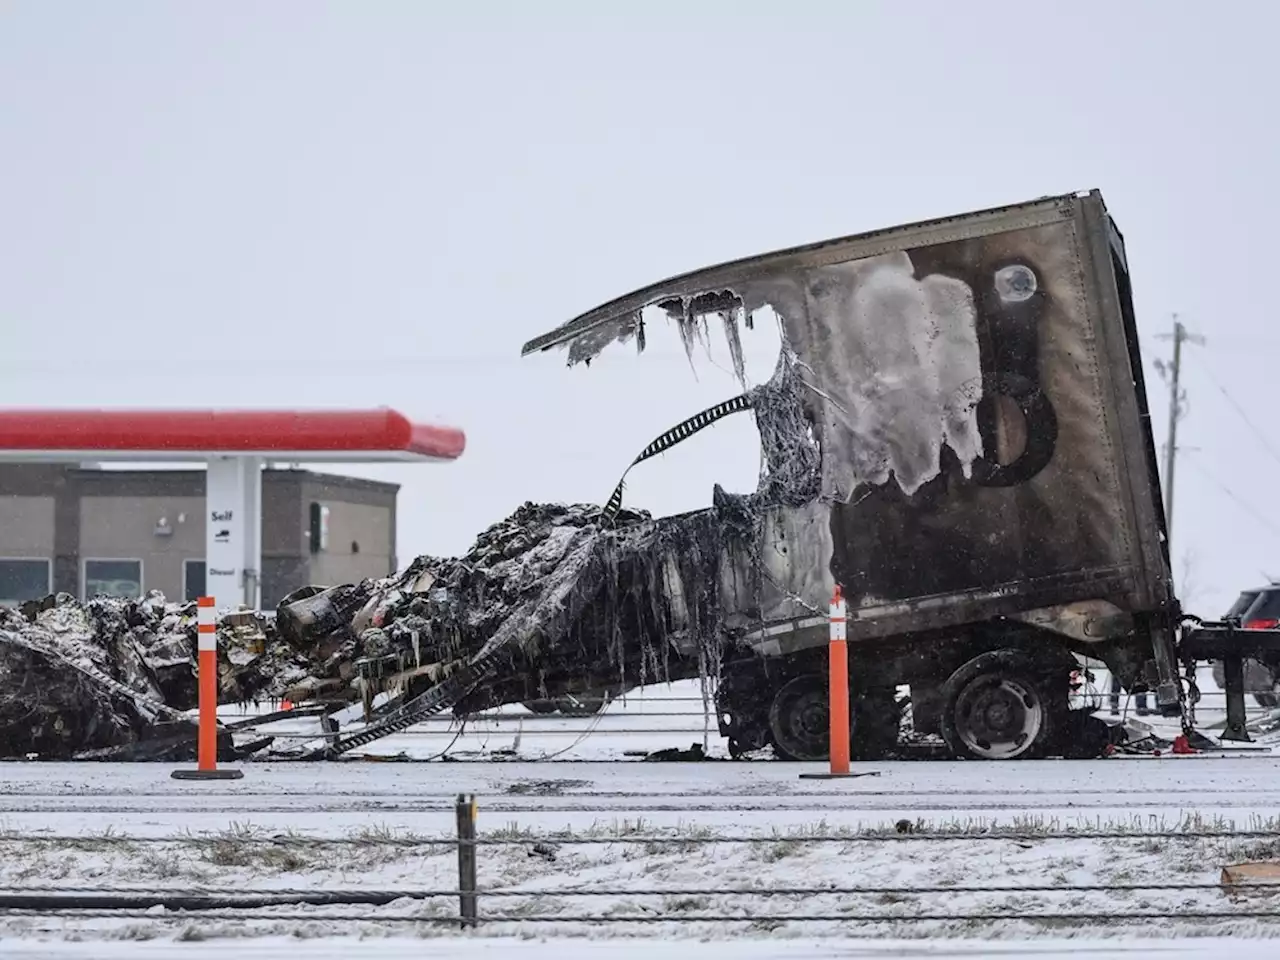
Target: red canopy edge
374, 432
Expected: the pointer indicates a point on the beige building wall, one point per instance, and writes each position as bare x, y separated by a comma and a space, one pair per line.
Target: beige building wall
360, 543
27, 533
26, 527
66, 514
124, 528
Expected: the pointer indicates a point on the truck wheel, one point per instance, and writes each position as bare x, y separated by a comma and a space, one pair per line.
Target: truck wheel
541, 707
800, 719
997, 707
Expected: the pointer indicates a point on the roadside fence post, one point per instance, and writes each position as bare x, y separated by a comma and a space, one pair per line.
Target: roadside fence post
467, 905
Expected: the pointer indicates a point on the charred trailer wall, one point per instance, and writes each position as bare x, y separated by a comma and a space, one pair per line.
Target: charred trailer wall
986, 451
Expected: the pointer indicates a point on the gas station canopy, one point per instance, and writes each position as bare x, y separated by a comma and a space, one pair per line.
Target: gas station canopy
319, 436
234, 445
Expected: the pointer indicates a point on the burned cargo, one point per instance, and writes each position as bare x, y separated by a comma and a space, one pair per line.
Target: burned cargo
113, 678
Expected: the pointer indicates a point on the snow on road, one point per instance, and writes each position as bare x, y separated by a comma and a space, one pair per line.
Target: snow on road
336, 798
511, 949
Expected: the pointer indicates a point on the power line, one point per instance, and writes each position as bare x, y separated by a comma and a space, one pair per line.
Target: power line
1257, 432
1252, 345
1239, 501
1178, 409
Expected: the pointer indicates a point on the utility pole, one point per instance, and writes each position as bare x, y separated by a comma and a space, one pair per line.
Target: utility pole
1177, 409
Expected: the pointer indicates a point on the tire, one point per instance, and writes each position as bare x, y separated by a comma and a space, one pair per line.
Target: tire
998, 706
540, 707
800, 719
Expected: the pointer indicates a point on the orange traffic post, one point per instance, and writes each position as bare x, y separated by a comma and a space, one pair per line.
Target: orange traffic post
839, 685
207, 678
838, 692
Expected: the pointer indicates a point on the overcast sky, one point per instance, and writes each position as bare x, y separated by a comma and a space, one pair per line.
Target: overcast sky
367, 203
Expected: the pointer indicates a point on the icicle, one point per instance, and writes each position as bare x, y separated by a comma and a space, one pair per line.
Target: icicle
732, 333
686, 323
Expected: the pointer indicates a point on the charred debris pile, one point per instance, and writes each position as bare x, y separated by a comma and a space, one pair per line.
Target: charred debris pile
116, 677
553, 600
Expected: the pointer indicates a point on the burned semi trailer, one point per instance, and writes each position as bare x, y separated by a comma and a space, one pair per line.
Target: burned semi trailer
973, 464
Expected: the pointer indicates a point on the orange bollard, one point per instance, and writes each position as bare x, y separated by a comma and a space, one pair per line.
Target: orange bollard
207, 680
838, 692
839, 686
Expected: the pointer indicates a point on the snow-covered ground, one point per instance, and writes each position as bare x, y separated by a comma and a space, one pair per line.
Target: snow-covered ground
644, 842
685, 851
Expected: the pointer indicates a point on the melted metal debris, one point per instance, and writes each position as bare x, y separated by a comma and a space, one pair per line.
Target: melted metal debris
560, 599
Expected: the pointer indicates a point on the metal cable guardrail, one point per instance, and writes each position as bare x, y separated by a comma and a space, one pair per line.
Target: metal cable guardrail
1127, 917
285, 895
555, 839
445, 732
610, 722
630, 711
641, 702
859, 904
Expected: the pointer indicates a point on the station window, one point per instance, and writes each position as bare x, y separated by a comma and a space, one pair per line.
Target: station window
113, 578
193, 580
24, 579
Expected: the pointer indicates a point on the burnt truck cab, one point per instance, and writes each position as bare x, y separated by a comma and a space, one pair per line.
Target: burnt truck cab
957, 434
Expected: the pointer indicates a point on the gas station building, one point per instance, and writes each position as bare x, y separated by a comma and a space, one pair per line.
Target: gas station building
249, 527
